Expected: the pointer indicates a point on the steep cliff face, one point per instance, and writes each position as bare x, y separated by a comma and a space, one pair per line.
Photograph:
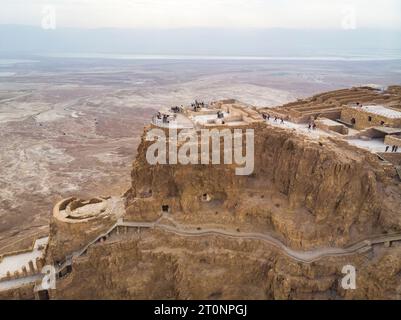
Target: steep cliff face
334, 193
156, 265
307, 193
311, 192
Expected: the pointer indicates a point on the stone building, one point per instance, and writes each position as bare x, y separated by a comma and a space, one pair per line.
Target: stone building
393, 140
362, 117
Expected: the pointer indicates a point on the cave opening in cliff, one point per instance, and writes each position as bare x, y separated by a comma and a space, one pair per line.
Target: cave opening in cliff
206, 197
165, 208
43, 295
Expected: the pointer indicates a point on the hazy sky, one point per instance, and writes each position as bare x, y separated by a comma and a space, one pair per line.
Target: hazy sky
206, 13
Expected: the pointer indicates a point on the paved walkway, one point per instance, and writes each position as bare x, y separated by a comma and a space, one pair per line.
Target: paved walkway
298, 255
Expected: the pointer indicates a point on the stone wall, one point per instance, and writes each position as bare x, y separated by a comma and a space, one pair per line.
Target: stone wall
331, 126
365, 119
34, 267
392, 140
66, 237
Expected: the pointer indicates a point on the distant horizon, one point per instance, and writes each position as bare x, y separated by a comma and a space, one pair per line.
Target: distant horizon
363, 43
127, 56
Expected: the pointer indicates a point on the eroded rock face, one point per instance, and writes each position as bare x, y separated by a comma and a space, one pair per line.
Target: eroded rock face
155, 265
308, 193
314, 193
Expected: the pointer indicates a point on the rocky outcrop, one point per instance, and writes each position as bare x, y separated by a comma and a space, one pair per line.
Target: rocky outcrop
74, 223
308, 193
313, 193
156, 265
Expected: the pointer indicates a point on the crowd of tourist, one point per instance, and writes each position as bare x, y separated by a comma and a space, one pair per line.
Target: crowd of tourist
177, 109
165, 118
197, 105
276, 118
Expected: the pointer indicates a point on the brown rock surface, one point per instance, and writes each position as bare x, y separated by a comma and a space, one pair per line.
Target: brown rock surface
313, 193
309, 194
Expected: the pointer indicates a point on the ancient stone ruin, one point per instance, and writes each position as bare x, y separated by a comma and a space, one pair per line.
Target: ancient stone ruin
324, 193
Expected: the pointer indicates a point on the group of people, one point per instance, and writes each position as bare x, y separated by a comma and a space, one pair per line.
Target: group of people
312, 126
276, 118
177, 109
197, 105
164, 117
393, 149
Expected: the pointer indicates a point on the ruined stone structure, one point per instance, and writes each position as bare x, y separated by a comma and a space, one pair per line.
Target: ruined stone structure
76, 222
330, 104
358, 114
393, 140
313, 203
330, 125
367, 116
